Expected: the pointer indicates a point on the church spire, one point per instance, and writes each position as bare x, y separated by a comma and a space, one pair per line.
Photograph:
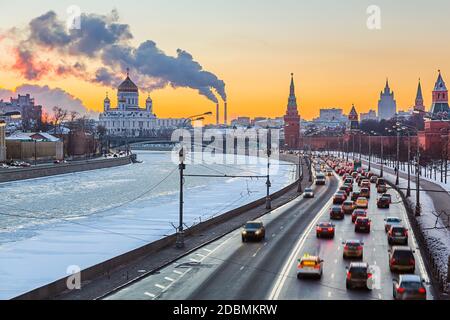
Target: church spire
419, 92
292, 102
292, 91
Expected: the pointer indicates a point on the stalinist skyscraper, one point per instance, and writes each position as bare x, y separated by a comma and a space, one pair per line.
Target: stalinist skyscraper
292, 120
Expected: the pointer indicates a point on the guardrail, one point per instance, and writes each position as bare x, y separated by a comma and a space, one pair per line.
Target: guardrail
439, 279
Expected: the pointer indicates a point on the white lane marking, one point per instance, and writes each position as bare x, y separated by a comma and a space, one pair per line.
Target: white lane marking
332, 276
379, 296
151, 295
169, 279
329, 294
193, 260
375, 263
281, 228
200, 255
291, 260
265, 244
336, 261
207, 250
242, 268
374, 249
177, 272
160, 286
273, 235
259, 249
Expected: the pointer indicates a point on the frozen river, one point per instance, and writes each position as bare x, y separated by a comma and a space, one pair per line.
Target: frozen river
81, 219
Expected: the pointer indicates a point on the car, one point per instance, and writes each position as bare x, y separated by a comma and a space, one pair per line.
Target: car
358, 213
358, 276
353, 249
390, 221
409, 287
398, 234
344, 189
336, 213
380, 181
309, 266
348, 206
325, 230
373, 179
382, 188
320, 179
364, 192
401, 259
366, 184
309, 193
387, 195
339, 198
383, 202
348, 188
329, 172
348, 180
355, 195
253, 230
362, 224
362, 203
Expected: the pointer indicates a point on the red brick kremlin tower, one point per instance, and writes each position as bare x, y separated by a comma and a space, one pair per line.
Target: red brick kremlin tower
292, 120
419, 99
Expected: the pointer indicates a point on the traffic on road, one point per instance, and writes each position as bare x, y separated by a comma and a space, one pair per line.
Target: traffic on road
347, 238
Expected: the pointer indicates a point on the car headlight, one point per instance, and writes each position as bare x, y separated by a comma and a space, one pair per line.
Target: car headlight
244, 232
258, 232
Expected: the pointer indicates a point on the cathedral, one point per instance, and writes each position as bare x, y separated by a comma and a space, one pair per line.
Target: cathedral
128, 118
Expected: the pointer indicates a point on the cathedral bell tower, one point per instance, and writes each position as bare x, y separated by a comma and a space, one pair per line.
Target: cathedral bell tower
292, 120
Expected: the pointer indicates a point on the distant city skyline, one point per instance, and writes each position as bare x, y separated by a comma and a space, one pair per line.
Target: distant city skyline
254, 46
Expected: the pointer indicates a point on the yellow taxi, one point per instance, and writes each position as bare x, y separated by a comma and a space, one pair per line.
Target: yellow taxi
362, 203
309, 265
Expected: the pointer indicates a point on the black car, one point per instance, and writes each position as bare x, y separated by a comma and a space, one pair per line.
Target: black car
358, 276
383, 202
401, 259
253, 230
336, 213
355, 195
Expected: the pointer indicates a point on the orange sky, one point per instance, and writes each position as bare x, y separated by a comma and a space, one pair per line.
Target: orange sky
254, 46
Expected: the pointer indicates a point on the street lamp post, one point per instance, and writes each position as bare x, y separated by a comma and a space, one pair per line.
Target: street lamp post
397, 179
360, 143
268, 184
408, 191
180, 232
300, 172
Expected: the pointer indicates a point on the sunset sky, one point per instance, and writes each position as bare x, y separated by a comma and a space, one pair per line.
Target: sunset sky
254, 45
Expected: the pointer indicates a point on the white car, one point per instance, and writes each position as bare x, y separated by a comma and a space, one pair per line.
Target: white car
309, 193
309, 266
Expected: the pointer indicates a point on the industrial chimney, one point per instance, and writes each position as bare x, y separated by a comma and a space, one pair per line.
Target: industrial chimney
217, 114
225, 113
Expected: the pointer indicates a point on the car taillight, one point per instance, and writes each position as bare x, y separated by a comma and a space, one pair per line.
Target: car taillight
317, 266
330, 229
360, 248
369, 275
412, 262
299, 265
422, 290
406, 233
346, 248
393, 261
400, 290
319, 229
349, 275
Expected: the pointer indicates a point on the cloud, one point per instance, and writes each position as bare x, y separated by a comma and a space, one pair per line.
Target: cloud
103, 40
48, 98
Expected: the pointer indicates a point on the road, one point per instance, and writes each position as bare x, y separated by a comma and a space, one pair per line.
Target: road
228, 269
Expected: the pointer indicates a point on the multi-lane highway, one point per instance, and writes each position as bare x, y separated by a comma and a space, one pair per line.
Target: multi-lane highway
231, 269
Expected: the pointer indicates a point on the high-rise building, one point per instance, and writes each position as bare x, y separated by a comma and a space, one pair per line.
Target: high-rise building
387, 106
418, 106
371, 115
292, 120
440, 106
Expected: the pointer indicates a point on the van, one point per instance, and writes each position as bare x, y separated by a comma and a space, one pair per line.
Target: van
320, 179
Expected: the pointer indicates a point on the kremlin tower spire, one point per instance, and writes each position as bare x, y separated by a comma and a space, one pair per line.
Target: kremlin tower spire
440, 98
292, 120
419, 99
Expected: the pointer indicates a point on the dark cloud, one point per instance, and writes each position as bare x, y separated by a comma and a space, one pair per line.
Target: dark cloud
48, 98
105, 40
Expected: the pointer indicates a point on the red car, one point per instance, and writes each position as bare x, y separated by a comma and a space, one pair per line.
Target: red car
358, 213
339, 198
362, 224
325, 230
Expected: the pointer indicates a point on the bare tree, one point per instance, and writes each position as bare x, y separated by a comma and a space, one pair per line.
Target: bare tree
59, 115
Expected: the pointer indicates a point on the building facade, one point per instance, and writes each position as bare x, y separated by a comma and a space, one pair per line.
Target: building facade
387, 106
371, 115
129, 119
30, 113
292, 120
